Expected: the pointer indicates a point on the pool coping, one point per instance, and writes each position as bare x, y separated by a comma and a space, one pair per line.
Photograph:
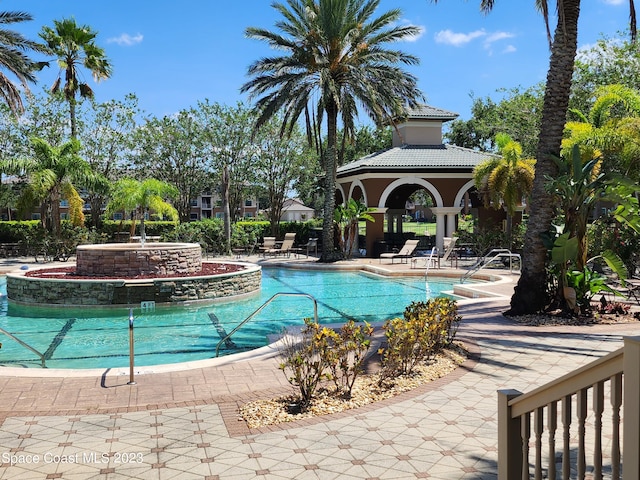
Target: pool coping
473, 293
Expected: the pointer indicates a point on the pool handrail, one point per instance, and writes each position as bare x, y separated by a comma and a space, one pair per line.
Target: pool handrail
25, 345
259, 309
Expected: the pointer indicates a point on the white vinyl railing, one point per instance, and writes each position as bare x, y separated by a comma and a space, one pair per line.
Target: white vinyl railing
584, 409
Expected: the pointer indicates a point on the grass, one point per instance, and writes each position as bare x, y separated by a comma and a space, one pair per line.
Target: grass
415, 227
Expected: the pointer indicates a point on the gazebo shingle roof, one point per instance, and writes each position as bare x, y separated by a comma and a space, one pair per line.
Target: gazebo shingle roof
431, 113
417, 157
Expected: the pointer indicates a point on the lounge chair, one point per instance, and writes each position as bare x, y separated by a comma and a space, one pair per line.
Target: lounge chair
268, 243
311, 245
449, 247
286, 247
406, 252
430, 260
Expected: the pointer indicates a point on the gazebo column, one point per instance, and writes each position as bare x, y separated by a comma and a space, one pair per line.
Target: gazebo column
374, 230
450, 214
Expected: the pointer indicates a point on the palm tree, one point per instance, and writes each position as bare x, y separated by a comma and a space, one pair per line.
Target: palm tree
54, 173
610, 128
141, 197
336, 58
530, 295
14, 59
504, 181
75, 47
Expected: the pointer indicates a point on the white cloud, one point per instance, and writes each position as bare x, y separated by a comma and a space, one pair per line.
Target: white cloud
494, 37
126, 40
509, 49
457, 39
615, 2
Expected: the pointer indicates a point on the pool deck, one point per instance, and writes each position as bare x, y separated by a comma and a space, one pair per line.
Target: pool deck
183, 423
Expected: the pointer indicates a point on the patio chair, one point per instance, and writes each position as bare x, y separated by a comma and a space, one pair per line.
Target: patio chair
311, 245
285, 248
449, 248
267, 244
406, 252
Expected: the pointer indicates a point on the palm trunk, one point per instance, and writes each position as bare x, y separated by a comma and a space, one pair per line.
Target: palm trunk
530, 295
72, 116
328, 246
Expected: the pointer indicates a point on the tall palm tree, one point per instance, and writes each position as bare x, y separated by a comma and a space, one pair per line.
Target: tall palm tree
530, 295
75, 47
335, 58
505, 181
14, 59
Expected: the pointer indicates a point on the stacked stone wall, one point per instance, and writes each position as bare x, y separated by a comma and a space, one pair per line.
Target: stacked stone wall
126, 260
38, 291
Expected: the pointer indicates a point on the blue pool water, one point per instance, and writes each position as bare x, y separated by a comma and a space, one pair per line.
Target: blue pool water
99, 338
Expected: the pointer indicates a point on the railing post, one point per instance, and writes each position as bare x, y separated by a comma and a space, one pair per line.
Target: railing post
631, 405
131, 356
509, 438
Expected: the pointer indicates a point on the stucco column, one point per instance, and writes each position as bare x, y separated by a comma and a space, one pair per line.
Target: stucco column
450, 214
375, 230
451, 222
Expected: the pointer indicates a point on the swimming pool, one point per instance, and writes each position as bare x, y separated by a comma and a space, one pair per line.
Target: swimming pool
99, 338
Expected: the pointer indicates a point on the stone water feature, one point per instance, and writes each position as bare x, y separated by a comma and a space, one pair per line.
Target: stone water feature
131, 273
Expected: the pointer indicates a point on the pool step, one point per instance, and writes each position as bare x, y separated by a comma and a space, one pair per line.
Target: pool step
221, 331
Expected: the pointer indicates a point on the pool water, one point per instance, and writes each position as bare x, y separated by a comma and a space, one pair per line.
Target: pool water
99, 338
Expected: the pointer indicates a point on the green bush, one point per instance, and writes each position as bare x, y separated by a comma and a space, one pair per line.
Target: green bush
323, 353
424, 330
347, 353
305, 362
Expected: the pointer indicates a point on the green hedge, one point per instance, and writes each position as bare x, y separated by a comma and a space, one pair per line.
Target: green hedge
209, 232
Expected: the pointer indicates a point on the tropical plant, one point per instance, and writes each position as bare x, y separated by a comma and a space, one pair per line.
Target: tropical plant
579, 186
54, 172
336, 56
142, 197
504, 182
13, 58
610, 129
577, 286
530, 295
347, 218
75, 47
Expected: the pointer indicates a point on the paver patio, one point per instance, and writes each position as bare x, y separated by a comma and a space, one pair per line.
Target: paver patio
184, 424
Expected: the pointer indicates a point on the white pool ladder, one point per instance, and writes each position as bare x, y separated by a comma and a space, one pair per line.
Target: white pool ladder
259, 309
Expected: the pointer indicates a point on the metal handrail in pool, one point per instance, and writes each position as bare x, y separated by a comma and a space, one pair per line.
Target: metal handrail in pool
259, 309
25, 345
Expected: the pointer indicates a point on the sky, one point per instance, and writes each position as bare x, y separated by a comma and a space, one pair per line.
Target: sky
172, 54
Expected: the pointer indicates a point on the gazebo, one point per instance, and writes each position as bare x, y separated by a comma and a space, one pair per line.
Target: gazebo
418, 159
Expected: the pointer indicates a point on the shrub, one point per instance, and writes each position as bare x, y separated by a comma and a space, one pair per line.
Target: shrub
305, 361
347, 354
323, 353
424, 330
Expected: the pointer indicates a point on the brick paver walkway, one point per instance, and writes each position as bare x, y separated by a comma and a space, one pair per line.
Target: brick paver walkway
184, 424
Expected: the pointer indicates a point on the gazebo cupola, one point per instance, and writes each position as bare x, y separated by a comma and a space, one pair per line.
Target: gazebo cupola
423, 126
